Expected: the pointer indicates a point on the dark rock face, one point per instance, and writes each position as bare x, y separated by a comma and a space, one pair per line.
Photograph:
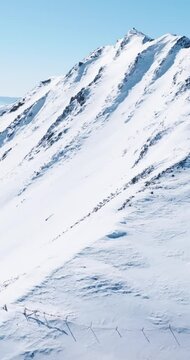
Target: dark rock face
17, 105
46, 82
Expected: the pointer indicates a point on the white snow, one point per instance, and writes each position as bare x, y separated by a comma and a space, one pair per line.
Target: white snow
94, 208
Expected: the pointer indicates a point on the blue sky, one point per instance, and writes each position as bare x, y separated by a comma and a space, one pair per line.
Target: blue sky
40, 38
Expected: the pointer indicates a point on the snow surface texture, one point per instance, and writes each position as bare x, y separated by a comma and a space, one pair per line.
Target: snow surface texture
94, 208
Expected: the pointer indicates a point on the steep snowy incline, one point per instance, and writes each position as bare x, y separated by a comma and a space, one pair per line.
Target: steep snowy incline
91, 166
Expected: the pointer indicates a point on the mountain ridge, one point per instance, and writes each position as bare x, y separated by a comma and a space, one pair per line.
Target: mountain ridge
94, 170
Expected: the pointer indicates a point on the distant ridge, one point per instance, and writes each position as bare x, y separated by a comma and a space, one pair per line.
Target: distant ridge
6, 100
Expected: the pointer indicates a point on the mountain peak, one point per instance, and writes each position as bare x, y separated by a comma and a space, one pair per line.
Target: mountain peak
136, 32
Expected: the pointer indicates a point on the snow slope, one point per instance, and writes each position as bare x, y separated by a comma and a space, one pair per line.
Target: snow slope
94, 208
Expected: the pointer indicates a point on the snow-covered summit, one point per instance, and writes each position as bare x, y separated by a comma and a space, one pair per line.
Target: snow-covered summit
135, 32
94, 189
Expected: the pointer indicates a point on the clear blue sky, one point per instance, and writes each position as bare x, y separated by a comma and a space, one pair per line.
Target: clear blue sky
40, 38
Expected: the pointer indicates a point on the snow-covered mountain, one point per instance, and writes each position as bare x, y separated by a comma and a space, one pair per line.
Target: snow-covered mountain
6, 102
94, 208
